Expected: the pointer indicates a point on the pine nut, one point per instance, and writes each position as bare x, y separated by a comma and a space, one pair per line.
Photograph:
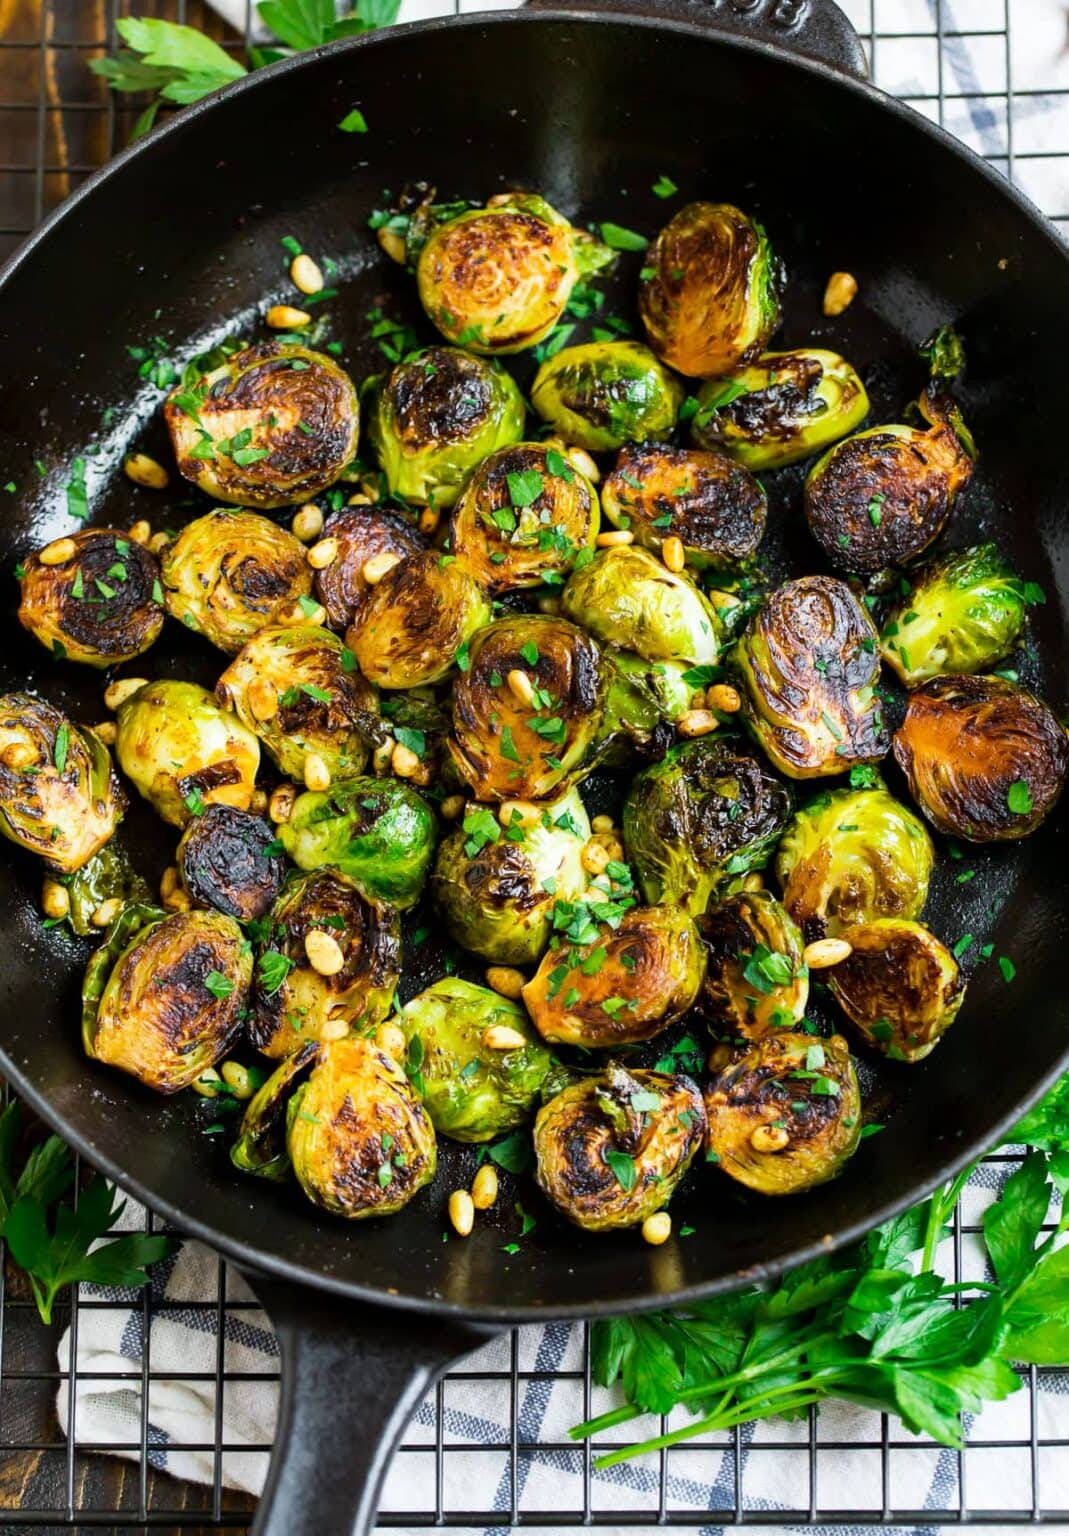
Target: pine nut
603, 824
55, 899
280, 805
429, 519
404, 762
382, 757
324, 952
334, 1029
502, 1037
657, 1229
107, 912
724, 697
263, 698
258, 803
507, 980
452, 807
316, 615
370, 492
824, 952
323, 554
720, 1056
697, 722
169, 881
146, 472
550, 605
528, 814
177, 901
209, 1084
140, 532
18, 755
159, 542
316, 773
594, 858
58, 552
673, 554
769, 1138
840, 292
305, 274
121, 689
376, 568
614, 538
283, 317
579, 459
391, 1039
307, 523
107, 731
520, 686
753, 882
393, 244
237, 1079
484, 1187
461, 1212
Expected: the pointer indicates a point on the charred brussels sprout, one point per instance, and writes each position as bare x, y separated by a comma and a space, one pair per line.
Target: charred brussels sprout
985, 760
272, 425
471, 1091
717, 509
163, 997
378, 832
625, 597
101, 606
435, 416
756, 980
229, 573
182, 752
710, 293
607, 393
809, 667
610, 1150
231, 860
408, 630
963, 613
108, 876
361, 534
900, 986
784, 407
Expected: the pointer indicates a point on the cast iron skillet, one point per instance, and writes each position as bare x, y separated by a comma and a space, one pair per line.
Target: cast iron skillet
180, 237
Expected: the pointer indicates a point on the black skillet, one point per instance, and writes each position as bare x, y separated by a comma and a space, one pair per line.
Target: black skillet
180, 238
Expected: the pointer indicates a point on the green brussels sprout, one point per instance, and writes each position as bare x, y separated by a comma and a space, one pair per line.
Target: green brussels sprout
360, 533
98, 606
230, 860
108, 876
507, 748
472, 1090
182, 752
809, 667
756, 980
605, 394
899, 985
163, 997
783, 407
625, 597
523, 517
985, 760
710, 291
59, 795
272, 425
643, 696
378, 832
408, 630
698, 821
261, 1144
963, 613
851, 856
435, 416
229, 573
787, 1116
496, 884
610, 1150
716, 508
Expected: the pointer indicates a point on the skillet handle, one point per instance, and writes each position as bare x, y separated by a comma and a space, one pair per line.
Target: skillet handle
352, 1376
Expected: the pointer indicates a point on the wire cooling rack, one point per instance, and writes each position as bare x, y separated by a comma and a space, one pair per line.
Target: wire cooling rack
488, 1448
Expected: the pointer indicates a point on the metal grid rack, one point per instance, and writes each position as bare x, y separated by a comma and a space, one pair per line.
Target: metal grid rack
481, 1447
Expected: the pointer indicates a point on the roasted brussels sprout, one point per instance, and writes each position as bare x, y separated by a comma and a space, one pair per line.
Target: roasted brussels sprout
182, 752
272, 425
900, 986
607, 393
523, 517
716, 508
507, 748
625, 597
108, 876
710, 291
379, 832
231, 860
784, 407
809, 668
698, 821
361, 534
163, 997
435, 416
642, 696
229, 573
472, 1090
756, 980
787, 1116
294, 1001
610, 1150
626, 983
408, 630
261, 1145
963, 613
102, 606
59, 796
985, 760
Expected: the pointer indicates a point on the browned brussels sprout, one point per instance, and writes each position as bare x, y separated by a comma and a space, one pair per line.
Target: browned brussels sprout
231, 860
756, 979
784, 407
710, 293
274, 424
787, 1116
610, 1150
900, 986
605, 394
102, 605
410, 628
626, 598
361, 534
182, 752
985, 759
716, 508
809, 668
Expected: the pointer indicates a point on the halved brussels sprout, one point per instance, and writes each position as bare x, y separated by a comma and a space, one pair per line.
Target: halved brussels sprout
294, 1002
784, 407
408, 630
607, 393
644, 698
626, 983
102, 606
710, 292
497, 279
379, 832
506, 748
272, 425
963, 613
756, 980
182, 752
361, 533
787, 1116
610, 1150
164, 997
471, 1090
107, 876
435, 416
985, 760
523, 517
231, 860
716, 508
809, 667
698, 821
625, 597
229, 573
900, 986
496, 885
261, 1145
